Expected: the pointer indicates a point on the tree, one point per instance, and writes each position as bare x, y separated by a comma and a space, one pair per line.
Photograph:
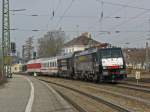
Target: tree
135, 56
51, 43
27, 50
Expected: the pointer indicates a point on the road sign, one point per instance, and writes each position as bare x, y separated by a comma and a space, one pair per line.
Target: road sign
138, 75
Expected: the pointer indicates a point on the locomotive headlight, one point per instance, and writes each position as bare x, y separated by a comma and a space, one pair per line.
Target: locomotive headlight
105, 73
104, 67
121, 66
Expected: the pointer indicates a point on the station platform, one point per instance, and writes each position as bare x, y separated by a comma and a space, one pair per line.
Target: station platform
27, 94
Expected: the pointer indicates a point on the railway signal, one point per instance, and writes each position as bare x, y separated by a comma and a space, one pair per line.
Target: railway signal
13, 47
34, 55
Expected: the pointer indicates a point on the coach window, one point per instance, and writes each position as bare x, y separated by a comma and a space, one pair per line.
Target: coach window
50, 64
45, 65
54, 64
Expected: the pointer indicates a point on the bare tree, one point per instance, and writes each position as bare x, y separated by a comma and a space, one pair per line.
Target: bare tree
27, 50
51, 43
136, 55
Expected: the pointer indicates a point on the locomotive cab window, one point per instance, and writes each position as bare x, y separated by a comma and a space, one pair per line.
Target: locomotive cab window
111, 53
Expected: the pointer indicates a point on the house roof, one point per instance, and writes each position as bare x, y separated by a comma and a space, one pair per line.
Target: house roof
83, 39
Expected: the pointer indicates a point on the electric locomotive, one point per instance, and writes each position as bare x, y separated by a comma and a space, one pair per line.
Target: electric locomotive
105, 64
66, 66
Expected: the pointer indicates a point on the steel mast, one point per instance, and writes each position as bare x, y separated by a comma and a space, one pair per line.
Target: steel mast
6, 58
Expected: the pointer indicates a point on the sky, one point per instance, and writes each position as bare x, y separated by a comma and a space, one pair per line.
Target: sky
123, 21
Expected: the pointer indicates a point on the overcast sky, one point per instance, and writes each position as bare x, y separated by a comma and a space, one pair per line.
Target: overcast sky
77, 16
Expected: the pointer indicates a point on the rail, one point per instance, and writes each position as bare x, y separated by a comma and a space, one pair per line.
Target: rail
96, 98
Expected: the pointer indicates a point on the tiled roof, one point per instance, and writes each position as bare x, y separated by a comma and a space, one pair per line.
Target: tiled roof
82, 40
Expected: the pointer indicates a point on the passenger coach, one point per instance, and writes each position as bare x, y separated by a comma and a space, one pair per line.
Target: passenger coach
49, 66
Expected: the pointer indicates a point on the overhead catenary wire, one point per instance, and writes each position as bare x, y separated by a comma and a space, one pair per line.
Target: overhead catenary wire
100, 31
115, 17
66, 10
134, 41
101, 15
80, 16
130, 19
55, 10
125, 5
115, 12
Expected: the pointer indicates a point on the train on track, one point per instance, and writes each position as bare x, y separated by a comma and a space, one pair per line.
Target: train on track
95, 64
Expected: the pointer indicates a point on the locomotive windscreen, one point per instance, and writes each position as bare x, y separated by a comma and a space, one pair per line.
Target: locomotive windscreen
111, 53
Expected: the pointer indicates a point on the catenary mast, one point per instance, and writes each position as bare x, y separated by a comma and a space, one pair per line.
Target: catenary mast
6, 58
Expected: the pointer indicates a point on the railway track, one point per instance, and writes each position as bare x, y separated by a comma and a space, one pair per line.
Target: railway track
144, 80
145, 90
75, 105
142, 88
99, 99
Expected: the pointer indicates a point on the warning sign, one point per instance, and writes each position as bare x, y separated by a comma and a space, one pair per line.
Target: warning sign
138, 75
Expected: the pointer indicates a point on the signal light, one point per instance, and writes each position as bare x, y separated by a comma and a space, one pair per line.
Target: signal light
13, 47
34, 55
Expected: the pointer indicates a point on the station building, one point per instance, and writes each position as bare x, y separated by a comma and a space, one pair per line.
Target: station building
80, 43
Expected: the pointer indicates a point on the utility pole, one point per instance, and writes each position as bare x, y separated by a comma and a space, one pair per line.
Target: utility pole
147, 58
6, 58
23, 53
147, 51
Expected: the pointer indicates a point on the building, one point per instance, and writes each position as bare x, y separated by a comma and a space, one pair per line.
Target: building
136, 57
80, 43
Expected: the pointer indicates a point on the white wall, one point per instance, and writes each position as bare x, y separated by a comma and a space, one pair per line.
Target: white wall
72, 49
